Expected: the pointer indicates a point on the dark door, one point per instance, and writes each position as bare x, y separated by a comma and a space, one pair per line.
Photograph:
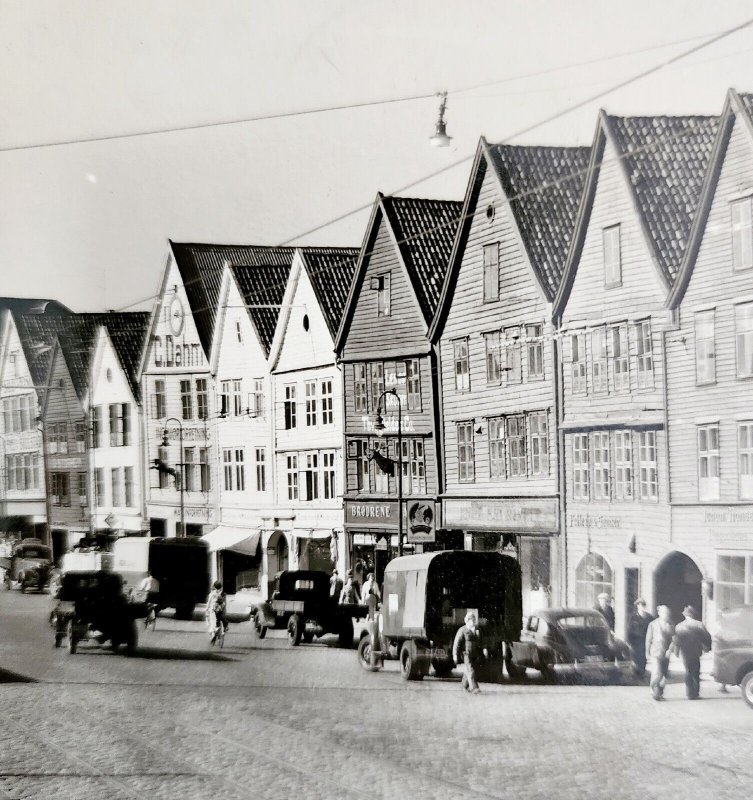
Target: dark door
59, 544
157, 526
677, 583
631, 593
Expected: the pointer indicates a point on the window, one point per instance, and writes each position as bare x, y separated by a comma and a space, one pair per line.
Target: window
734, 581
328, 475
328, 417
189, 467
708, 462
204, 481
116, 481
359, 389
491, 271
744, 340
202, 399
623, 465
292, 475
80, 437
466, 455
240, 470
186, 400
238, 331
599, 359
358, 453
535, 351
516, 446
128, 483
57, 437
493, 357
620, 360
414, 466
647, 473
645, 359
497, 448
261, 469
745, 459
578, 363
227, 469
256, 399
290, 407
539, 442
462, 368
511, 343
120, 424
311, 476
413, 383
81, 480
383, 294
592, 577
377, 380
601, 465
225, 398
705, 354
310, 391
163, 455
22, 470
381, 478
160, 399
580, 466
612, 256
96, 426
99, 487
237, 398
742, 235
60, 489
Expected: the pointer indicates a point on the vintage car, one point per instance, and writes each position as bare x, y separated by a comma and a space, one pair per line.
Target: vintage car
302, 605
733, 650
425, 600
93, 605
572, 642
28, 566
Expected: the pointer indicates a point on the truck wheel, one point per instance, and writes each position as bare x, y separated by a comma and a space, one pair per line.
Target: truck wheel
409, 670
259, 626
185, 612
515, 671
746, 685
345, 635
364, 655
295, 629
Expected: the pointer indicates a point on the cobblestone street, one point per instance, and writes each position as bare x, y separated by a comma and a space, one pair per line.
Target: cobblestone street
261, 719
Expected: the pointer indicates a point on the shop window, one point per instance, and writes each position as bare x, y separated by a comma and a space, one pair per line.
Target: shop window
593, 575
734, 581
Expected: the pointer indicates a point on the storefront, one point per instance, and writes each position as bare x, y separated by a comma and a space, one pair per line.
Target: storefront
527, 529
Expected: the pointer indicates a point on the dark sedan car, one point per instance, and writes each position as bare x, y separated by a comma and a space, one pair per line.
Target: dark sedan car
733, 650
572, 641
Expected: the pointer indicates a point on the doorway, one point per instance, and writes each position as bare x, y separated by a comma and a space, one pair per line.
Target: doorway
277, 557
677, 583
632, 589
59, 544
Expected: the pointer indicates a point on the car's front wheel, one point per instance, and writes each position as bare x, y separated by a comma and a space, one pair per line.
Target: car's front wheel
746, 686
295, 630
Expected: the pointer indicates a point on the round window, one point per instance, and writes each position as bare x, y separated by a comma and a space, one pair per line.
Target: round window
306, 323
490, 212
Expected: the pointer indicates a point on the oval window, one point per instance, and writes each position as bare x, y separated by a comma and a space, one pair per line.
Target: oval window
306, 323
490, 212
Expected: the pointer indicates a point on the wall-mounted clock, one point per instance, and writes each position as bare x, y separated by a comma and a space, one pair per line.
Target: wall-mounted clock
177, 316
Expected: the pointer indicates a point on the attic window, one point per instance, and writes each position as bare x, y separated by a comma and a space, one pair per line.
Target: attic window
490, 212
306, 323
381, 285
108, 375
612, 256
238, 331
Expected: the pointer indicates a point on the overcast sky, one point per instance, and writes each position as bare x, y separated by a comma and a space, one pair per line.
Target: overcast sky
88, 223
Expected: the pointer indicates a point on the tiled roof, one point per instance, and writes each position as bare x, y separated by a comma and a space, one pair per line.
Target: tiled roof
32, 305
331, 271
544, 186
37, 333
263, 288
201, 267
666, 160
128, 333
747, 101
425, 230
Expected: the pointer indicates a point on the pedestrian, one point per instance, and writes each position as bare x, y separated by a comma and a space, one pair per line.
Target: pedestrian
604, 607
468, 650
659, 635
335, 584
349, 594
370, 587
692, 640
637, 627
216, 609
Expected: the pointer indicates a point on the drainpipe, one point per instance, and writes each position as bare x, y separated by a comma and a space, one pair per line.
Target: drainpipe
559, 414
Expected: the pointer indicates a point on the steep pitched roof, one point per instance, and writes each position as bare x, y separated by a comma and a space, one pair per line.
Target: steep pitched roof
746, 98
262, 286
665, 159
201, 267
331, 271
425, 231
32, 305
37, 333
544, 186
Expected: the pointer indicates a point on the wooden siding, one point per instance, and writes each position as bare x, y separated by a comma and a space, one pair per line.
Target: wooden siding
401, 333
713, 284
520, 302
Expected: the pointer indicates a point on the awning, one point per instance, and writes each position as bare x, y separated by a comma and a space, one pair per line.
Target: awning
312, 533
238, 540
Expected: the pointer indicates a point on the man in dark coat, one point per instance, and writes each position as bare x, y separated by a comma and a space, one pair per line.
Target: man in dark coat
692, 640
636, 635
659, 638
604, 607
468, 650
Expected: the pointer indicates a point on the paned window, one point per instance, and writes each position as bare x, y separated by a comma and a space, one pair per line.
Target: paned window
328, 475
60, 491
744, 340
240, 470
202, 399
462, 368
99, 487
620, 359
128, 484
612, 256
491, 271
648, 476
383, 294
466, 454
327, 403
539, 442
310, 392
535, 351
186, 400
623, 465
22, 471
601, 465
511, 344
120, 424
358, 454
497, 447
734, 581
96, 423
256, 399
413, 383
311, 475
204, 480
81, 481
160, 399
745, 459
578, 365
705, 351
360, 399
599, 359
381, 479
189, 469
516, 446
592, 577
742, 233
261, 469
708, 462
414, 466
291, 464
580, 466
80, 437
163, 455
227, 469
377, 381
493, 357
237, 398
225, 396
290, 405
116, 484
644, 354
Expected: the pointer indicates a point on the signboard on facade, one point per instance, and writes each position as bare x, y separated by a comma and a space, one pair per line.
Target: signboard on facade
421, 521
371, 513
500, 514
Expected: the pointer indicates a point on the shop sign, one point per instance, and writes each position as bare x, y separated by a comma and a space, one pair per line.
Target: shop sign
420, 518
371, 513
201, 513
502, 515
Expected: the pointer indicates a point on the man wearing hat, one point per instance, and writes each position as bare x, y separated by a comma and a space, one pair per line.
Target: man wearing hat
659, 644
468, 650
692, 640
604, 607
637, 627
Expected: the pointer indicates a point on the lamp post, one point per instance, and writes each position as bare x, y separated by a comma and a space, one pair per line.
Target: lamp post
379, 427
180, 464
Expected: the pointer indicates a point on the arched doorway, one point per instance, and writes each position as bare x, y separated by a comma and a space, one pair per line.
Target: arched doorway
278, 557
593, 575
677, 583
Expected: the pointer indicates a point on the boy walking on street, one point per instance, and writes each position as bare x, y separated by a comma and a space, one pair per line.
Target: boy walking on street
692, 640
659, 636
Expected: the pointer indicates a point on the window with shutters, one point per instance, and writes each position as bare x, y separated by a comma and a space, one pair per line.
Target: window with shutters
466, 452
705, 349
360, 399
538, 435
623, 465
290, 407
578, 363
744, 340
708, 462
648, 475
644, 354
742, 233
580, 466
491, 271
511, 345
612, 257
186, 400
493, 357
619, 357
462, 367
497, 467
516, 446
601, 465
599, 380
745, 459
